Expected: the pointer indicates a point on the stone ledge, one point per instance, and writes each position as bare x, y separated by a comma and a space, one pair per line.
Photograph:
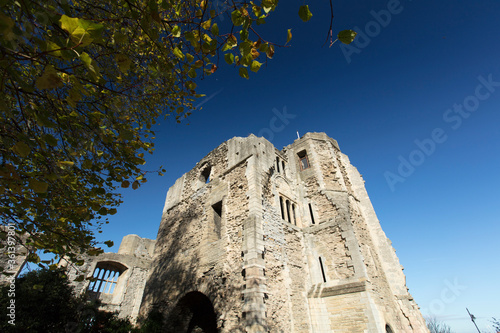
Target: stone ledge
348, 288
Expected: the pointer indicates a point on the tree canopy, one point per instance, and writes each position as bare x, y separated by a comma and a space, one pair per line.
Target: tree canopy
82, 84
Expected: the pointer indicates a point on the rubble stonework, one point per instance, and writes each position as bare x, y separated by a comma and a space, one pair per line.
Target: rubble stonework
119, 277
254, 239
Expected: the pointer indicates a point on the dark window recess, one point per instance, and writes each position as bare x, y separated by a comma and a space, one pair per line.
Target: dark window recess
288, 211
293, 213
205, 174
388, 329
243, 273
283, 166
304, 161
322, 269
282, 209
217, 217
277, 164
311, 212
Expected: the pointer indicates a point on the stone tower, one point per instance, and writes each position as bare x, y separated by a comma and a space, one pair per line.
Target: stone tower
254, 239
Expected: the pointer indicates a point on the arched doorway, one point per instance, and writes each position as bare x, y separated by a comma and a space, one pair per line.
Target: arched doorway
194, 313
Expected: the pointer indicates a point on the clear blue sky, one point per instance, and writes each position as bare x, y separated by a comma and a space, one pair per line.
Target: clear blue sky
400, 86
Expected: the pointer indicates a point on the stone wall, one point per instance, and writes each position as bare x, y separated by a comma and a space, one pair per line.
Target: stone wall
116, 279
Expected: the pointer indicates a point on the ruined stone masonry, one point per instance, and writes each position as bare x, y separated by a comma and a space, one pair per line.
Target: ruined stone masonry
254, 239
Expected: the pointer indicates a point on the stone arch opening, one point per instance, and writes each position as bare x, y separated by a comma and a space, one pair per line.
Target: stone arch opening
105, 277
193, 313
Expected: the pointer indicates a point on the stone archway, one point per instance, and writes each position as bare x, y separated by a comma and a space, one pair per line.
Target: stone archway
193, 313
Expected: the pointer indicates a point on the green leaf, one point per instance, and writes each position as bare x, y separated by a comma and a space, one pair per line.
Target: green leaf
215, 29
50, 140
38, 186
109, 243
73, 97
123, 62
49, 79
176, 31
229, 57
304, 13
190, 85
289, 35
91, 66
255, 66
269, 5
237, 17
119, 37
244, 73
6, 25
192, 73
82, 32
347, 36
178, 53
21, 149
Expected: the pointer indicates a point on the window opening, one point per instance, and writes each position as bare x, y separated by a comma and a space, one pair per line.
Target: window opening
388, 329
205, 175
217, 217
277, 164
288, 211
293, 213
304, 161
282, 209
322, 269
311, 212
106, 277
283, 166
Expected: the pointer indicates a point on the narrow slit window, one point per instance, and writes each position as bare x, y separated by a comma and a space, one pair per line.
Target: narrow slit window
282, 209
288, 211
322, 269
283, 166
293, 213
217, 218
277, 164
303, 159
312, 215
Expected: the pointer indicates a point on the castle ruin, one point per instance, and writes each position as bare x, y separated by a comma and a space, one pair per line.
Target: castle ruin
254, 239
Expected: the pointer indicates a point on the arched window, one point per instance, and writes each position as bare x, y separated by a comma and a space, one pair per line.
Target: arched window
288, 211
282, 209
106, 276
205, 174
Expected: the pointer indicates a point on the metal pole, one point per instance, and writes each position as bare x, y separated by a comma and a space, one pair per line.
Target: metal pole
473, 319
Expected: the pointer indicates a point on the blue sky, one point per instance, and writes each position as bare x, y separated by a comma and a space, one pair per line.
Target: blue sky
399, 87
